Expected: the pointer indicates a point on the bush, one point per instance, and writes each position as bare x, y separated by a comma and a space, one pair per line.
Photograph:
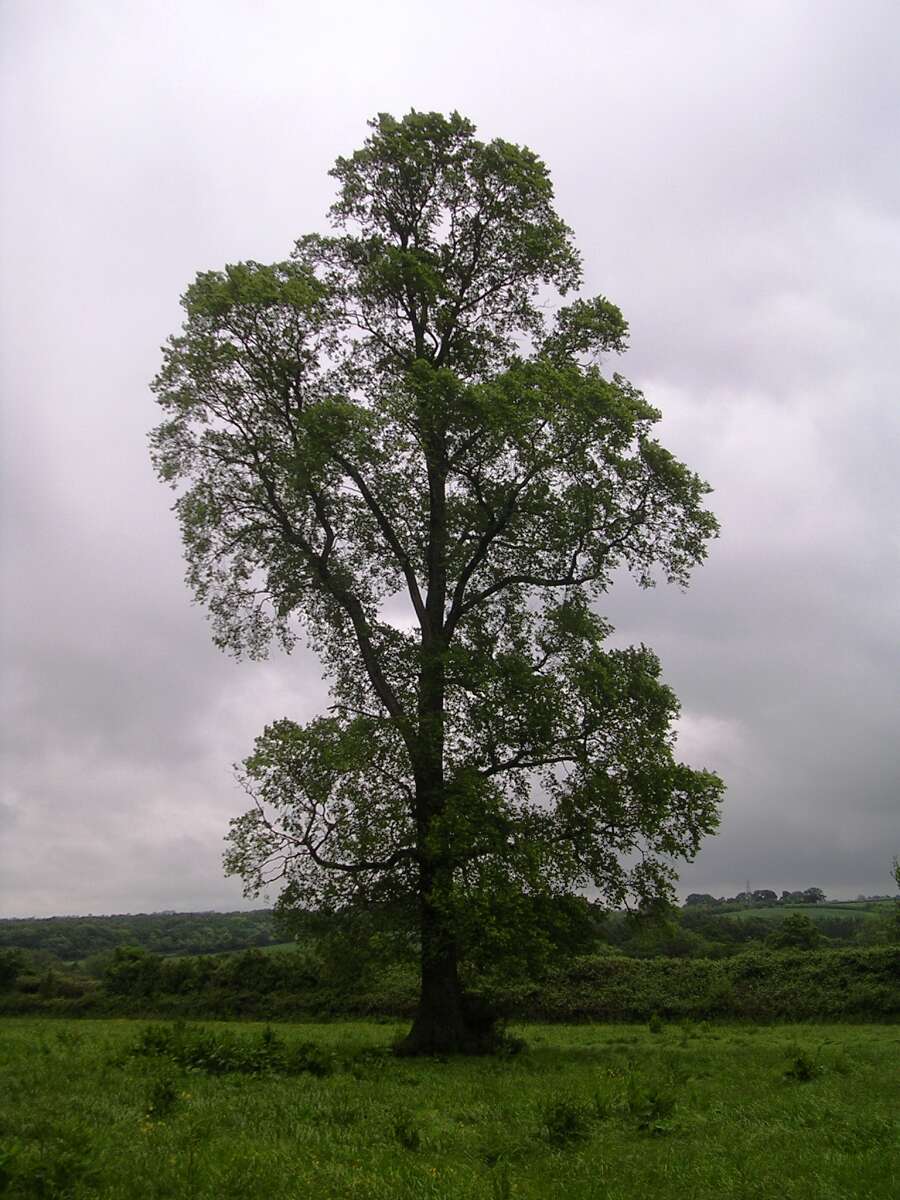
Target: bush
796, 931
565, 1121
162, 1098
759, 984
803, 1068
219, 1052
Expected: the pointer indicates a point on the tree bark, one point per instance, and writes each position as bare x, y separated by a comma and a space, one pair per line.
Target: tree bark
444, 1023
439, 1026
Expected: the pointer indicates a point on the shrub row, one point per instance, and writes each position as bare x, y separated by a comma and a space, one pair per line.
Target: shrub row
857, 984
758, 985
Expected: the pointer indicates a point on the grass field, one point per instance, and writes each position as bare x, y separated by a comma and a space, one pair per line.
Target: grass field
777, 912
584, 1113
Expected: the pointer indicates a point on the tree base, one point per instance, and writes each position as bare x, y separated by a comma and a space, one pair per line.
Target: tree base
470, 1027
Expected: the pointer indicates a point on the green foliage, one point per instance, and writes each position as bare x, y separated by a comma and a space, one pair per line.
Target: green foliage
701, 931
11, 963
132, 971
162, 1098
796, 932
851, 984
218, 1053
495, 951
74, 938
59, 1167
774, 985
352, 949
389, 414
884, 929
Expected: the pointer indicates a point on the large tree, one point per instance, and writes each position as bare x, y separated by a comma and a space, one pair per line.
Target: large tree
384, 443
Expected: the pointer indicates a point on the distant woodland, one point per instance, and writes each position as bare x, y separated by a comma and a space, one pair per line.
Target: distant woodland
76, 938
704, 928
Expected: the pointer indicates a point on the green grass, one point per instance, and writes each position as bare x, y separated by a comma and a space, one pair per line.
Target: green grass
777, 912
586, 1113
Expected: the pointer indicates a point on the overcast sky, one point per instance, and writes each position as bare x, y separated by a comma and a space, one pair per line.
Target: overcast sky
732, 174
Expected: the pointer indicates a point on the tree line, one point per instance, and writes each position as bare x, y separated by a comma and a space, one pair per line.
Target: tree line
759, 896
74, 938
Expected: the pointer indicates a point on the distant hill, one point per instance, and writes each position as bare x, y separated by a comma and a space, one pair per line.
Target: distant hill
73, 939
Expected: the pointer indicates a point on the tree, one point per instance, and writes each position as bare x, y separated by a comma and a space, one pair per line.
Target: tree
813, 895
132, 971
764, 896
795, 932
382, 442
11, 962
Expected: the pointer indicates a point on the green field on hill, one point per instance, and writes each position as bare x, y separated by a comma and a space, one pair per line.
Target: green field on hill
313, 1112
849, 911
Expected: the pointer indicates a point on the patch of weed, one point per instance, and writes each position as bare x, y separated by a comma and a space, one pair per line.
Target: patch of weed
565, 1121
218, 1052
652, 1107
803, 1068
162, 1099
53, 1169
501, 1183
406, 1132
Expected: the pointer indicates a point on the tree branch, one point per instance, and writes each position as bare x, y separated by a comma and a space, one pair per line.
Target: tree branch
402, 853
390, 536
347, 599
497, 525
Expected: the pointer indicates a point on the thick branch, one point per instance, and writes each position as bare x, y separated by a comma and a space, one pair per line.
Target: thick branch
570, 579
496, 526
521, 762
402, 853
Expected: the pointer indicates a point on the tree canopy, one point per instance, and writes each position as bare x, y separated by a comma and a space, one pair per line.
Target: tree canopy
386, 444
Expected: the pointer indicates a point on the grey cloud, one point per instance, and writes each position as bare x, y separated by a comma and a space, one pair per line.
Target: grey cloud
731, 175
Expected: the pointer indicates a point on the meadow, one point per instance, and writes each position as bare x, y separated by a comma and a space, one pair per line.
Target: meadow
847, 910
104, 1108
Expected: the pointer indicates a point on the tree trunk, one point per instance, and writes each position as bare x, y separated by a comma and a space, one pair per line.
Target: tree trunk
444, 1022
440, 1025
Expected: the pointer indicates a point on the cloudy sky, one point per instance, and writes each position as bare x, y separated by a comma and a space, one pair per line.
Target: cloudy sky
732, 174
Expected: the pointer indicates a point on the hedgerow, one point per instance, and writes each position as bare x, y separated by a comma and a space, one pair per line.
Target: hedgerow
762, 984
